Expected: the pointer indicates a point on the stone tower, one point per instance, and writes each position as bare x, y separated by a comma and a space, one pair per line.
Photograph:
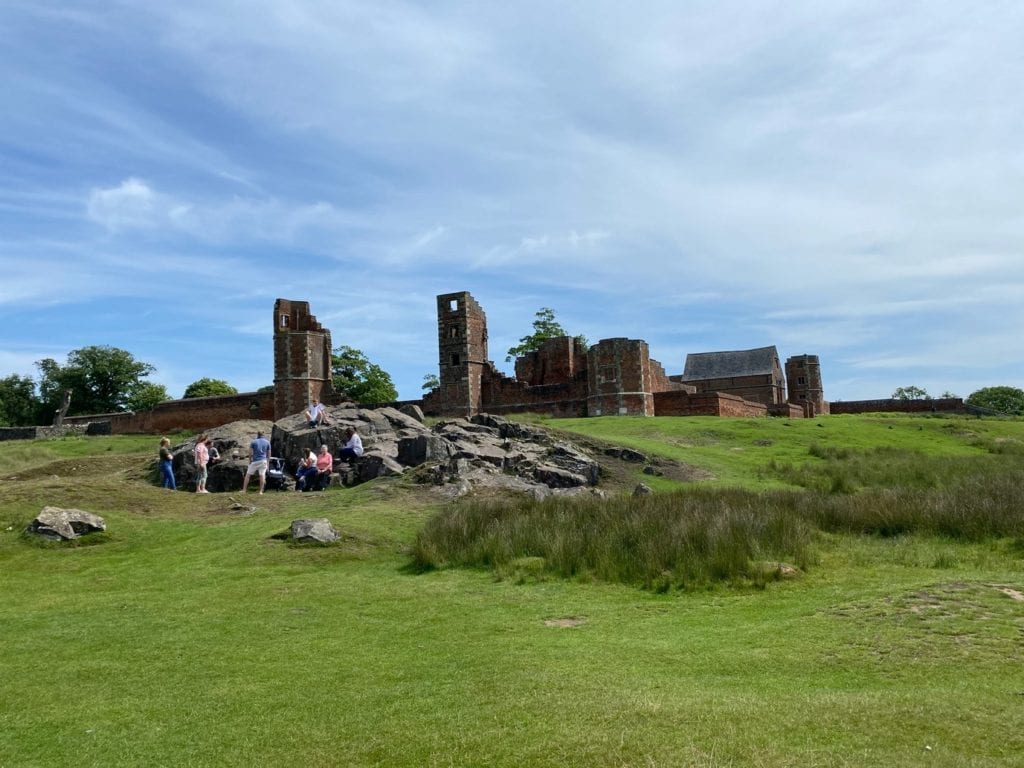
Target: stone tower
619, 381
462, 353
302, 358
803, 384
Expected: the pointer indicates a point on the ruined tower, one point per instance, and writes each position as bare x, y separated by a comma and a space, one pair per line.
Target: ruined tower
803, 384
619, 378
462, 352
302, 358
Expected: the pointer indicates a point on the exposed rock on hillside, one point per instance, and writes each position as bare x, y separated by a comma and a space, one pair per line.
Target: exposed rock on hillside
65, 524
460, 454
232, 443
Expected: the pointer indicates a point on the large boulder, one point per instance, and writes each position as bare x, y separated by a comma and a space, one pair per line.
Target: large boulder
232, 443
65, 524
317, 530
485, 452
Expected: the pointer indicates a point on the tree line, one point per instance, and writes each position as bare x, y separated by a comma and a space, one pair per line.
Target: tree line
104, 379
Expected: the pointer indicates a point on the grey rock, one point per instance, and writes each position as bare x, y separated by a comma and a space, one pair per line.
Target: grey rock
556, 477
317, 529
372, 465
413, 411
642, 490
65, 524
413, 451
626, 454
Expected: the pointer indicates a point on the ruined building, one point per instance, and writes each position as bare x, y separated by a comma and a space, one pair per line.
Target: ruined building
302, 358
613, 377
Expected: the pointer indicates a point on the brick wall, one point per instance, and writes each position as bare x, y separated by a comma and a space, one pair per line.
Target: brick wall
761, 389
940, 405
193, 414
680, 403
556, 362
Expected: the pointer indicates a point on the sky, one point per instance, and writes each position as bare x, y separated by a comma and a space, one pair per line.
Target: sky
843, 179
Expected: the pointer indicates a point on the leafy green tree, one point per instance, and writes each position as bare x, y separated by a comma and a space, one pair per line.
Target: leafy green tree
910, 393
208, 388
19, 406
147, 396
1008, 400
101, 379
430, 381
360, 380
544, 327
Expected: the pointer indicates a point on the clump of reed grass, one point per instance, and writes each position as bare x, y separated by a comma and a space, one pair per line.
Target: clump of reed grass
694, 538
681, 540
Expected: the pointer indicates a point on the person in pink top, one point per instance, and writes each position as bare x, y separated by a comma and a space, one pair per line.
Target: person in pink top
324, 467
202, 459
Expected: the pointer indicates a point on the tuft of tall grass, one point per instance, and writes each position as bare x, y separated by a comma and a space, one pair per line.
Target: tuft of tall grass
683, 540
693, 538
974, 508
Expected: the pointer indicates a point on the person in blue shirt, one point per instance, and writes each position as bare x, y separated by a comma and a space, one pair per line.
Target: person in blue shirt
259, 455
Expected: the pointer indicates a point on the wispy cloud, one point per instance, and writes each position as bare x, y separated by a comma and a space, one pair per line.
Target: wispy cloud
839, 178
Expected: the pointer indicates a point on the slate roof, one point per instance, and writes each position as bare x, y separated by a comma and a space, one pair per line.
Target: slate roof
722, 365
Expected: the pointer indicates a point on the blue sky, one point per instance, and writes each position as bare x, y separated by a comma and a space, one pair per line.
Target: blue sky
842, 179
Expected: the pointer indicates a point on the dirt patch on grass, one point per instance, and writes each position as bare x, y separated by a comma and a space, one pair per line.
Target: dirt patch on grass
565, 622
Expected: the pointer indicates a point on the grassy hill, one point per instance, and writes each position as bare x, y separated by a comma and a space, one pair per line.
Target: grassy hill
189, 635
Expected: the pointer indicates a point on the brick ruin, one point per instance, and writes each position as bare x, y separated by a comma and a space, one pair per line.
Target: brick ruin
302, 359
613, 377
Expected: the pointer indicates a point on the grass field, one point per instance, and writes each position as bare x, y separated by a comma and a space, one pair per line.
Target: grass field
188, 636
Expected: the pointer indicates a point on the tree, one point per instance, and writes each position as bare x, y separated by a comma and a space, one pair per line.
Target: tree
1008, 400
360, 380
208, 388
101, 379
910, 393
19, 406
544, 327
430, 381
147, 396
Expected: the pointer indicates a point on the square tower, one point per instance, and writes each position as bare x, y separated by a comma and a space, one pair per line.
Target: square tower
803, 377
302, 358
462, 352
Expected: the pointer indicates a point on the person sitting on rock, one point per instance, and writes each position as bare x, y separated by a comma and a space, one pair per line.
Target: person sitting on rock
353, 449
306, 471
324, 467
315, 414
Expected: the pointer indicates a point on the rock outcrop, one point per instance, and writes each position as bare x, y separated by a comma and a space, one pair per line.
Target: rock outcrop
65, 524
459, 455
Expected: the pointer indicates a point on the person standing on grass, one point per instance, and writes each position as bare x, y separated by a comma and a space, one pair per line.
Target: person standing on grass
352, 449
167, 464
259, 460
202, 457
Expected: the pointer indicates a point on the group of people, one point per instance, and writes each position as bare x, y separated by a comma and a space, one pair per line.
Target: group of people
313, 472
315, 469
204, 454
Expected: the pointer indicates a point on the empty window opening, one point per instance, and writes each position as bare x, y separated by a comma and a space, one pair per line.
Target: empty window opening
455, 359
453, 305
284, 321
453, 332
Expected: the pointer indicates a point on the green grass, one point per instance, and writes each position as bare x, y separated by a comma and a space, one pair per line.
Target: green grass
191, 636
754, 453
